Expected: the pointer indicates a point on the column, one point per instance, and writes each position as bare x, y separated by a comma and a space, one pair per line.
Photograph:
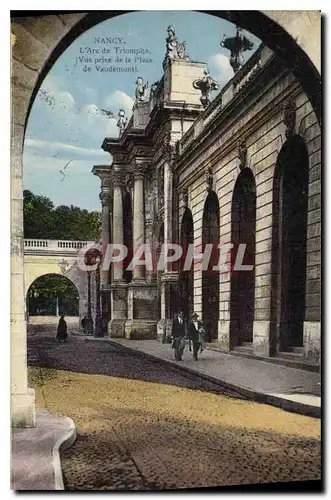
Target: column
141, 296
22, 397
117, 223
169, 278
106, 200
116, 327
138, 218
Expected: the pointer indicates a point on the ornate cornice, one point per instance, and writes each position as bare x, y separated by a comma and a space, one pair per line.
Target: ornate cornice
251, 126
289, 117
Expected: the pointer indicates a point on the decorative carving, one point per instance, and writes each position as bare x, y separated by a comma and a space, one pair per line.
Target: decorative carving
289, 117
240, 84
205, 84
140, 170
105, 198
174, 49
169, 152
185, 197
237, 46
209, 178
154, 87
161, 187
64, 266
117, 178
122, 120
141, 90
242, 153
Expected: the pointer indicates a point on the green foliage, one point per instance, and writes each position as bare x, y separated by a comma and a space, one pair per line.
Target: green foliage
42, 220
50, 289
52, 285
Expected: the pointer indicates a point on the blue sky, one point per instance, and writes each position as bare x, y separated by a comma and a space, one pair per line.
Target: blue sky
65, 122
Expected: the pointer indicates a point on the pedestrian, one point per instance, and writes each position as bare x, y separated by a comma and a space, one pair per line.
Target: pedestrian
195, 335
83, 324
178, 333
62, 332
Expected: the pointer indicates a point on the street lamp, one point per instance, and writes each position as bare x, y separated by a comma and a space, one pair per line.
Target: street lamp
89, 261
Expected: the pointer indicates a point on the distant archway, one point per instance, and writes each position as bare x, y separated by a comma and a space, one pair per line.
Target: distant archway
290, 208
210, 277
186, 276
243, 224
52, 295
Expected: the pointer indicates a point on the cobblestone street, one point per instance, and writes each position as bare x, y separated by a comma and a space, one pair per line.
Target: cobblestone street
143, 425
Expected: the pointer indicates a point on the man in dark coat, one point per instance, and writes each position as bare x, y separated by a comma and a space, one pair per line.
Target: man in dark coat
195, 334
62, 333
178, 326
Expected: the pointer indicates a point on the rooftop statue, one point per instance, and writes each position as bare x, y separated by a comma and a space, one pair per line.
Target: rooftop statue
141, 90
154, 87
174, 49
122, 120
237, 46
205, 84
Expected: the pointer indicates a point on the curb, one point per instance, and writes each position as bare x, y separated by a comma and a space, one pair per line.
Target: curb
258, 397
62, 444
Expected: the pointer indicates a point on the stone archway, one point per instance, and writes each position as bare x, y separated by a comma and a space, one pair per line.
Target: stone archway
210, 277
243, 214
64, 301
37, 44
290, 208
186, 276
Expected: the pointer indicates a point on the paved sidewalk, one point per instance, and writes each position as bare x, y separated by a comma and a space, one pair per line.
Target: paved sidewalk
292, 389
35, 456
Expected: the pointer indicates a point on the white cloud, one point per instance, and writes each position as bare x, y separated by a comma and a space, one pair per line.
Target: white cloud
119, 99
220, 68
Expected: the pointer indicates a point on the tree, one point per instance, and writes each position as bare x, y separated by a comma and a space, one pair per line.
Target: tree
49, 290
38, 215
42, 220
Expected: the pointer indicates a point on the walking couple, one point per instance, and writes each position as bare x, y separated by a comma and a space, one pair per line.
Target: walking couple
195, 334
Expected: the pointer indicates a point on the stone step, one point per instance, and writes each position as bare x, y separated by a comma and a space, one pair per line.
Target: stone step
246, 347
297, 350
291, 355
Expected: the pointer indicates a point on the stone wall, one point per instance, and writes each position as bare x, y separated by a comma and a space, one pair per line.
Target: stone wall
263, 128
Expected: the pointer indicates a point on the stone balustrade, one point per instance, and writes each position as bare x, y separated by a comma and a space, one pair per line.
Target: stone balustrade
31, 244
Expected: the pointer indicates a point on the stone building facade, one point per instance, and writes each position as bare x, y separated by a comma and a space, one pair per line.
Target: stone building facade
244, 169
